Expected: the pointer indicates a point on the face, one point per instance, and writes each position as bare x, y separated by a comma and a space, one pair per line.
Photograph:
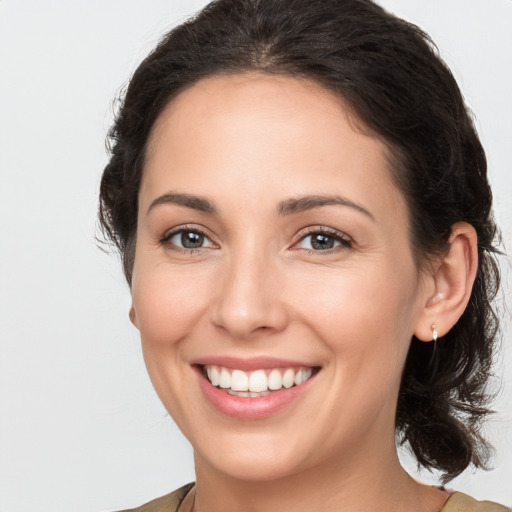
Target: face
274, 285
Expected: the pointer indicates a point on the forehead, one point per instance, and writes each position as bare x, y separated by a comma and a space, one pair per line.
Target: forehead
243, 100
261, 135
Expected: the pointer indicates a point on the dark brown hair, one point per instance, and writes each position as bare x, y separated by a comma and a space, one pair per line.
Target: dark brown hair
390, 74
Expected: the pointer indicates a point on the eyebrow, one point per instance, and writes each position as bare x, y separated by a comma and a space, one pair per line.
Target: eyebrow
188, 200
301, 204
286, 207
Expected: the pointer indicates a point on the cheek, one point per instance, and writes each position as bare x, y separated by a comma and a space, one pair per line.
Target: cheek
168, 303
364, 315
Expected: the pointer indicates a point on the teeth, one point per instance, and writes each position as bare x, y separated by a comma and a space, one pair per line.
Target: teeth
302, 376
288, 378
239, 381
225, 379
275, 381
247, 394
256, 383
214, 375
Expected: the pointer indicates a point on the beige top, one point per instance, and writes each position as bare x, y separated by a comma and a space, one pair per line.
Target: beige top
457, 502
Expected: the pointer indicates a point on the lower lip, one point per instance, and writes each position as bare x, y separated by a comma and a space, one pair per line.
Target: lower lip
249, 408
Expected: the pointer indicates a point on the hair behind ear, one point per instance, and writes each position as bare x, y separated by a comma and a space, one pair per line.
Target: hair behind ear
443, 398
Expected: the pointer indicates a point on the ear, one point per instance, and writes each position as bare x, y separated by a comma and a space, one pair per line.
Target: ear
133, 316
449, 284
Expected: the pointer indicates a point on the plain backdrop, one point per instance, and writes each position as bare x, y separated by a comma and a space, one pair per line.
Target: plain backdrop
80, 427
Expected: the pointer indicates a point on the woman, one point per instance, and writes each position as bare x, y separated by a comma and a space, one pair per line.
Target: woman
301, 204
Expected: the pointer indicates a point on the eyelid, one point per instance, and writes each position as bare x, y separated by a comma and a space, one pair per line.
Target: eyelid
343, 238
170, 233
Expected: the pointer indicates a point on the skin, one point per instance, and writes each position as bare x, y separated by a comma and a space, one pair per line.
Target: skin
246, 143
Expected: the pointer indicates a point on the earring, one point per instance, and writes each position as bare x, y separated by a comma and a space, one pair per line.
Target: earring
433, 357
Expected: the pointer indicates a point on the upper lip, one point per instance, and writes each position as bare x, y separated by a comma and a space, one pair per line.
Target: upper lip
253, 363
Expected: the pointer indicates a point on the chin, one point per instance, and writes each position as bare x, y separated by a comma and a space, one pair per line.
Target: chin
257, 457
256, 468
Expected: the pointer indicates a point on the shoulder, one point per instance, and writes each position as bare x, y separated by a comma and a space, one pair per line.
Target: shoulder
459, 502
168, 503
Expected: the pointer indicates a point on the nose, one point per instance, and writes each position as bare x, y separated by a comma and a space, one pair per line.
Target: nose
249, 302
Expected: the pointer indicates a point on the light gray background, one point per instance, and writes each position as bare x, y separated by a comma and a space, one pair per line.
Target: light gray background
80, 426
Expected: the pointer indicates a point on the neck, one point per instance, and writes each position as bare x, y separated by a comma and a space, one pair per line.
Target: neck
354, 482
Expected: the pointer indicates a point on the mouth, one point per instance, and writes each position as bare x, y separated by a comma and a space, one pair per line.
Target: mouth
257, 383
253, 389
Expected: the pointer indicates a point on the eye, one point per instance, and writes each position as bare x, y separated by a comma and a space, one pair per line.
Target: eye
188, 239
323, 240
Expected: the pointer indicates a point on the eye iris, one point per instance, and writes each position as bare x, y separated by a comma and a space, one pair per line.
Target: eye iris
191, 240
322, 242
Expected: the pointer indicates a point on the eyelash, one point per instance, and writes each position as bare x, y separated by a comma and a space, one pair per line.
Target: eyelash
166, 239
344, 241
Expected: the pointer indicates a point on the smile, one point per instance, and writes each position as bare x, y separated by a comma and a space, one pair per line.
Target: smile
256, 383
253, 389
